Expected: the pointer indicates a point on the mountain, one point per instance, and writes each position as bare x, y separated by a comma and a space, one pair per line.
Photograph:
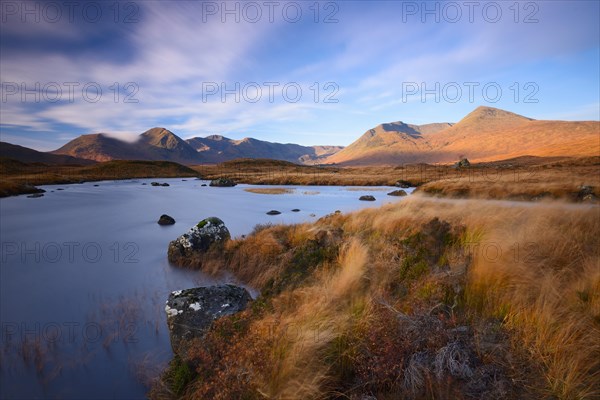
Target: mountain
217, 148
27, 155
383, 144
99, 147
485, 134
162, 144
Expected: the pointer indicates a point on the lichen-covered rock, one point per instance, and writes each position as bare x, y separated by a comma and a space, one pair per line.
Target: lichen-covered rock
397, 193
222, 182
190, 312
367, 197
207, 233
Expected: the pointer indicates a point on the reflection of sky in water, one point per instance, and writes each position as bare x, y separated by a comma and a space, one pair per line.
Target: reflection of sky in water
84, 276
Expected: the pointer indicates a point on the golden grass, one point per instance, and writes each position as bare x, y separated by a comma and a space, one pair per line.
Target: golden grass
369, 303
269, 190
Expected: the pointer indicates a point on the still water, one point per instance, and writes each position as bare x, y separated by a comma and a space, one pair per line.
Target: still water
84, 276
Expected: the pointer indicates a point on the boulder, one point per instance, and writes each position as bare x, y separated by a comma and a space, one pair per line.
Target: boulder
273, 212
367, 197
222, 182
397, 193
463, 163
586, 194
190, 312
403, 184
166, 220
202, 236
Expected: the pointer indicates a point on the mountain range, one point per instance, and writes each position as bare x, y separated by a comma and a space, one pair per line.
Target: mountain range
485, 134
162, 144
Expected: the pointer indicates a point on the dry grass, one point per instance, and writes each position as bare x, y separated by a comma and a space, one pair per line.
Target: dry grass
426, 298
269, 190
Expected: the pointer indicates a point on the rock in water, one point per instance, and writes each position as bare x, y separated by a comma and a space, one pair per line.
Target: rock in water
222, 182
273, 212
397, 193
190, 312
367, 197
166, 220
207, 233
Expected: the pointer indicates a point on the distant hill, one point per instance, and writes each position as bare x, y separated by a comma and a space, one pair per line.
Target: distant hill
27, 155
485, 134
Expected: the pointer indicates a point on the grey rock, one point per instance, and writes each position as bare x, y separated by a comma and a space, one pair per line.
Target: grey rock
367, 197
222, 182
191, 312
273, 212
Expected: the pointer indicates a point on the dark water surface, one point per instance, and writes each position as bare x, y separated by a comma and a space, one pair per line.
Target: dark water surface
84, 277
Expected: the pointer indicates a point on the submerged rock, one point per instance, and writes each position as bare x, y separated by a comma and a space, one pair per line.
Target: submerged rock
190, 312
166, 220
165, 184
207, 233
222, 182
367, 197
397, 193
35, 195
273, 212
296, 210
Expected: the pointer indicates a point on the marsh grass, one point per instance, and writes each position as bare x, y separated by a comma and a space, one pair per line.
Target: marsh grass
269, 190
426, 298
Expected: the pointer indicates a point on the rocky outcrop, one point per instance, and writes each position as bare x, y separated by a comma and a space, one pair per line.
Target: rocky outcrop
166, 220
190, 312
200, 238
222, 182
397, 193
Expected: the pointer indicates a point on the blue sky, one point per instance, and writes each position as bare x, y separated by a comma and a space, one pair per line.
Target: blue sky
294, 72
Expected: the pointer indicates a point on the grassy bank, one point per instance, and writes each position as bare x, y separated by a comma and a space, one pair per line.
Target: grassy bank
21, 178
425, 298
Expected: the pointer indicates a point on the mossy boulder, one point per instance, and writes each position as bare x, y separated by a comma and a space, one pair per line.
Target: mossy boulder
199, 239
